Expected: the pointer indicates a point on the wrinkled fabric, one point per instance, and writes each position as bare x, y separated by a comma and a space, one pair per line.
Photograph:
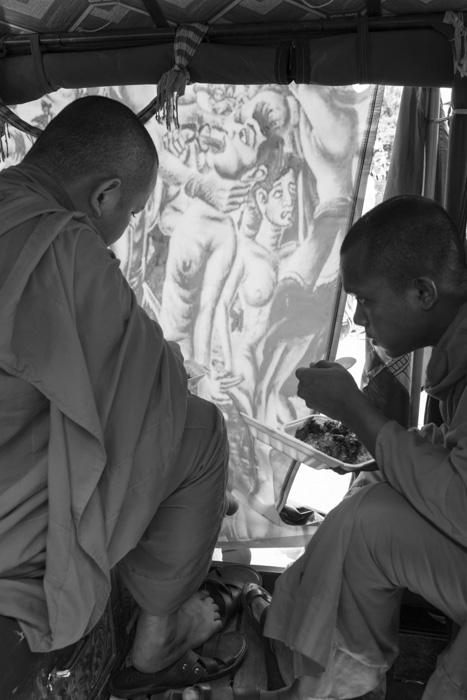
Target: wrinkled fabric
337, 606
173, 557
106, 397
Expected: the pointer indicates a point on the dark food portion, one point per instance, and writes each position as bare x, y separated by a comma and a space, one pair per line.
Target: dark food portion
334, 439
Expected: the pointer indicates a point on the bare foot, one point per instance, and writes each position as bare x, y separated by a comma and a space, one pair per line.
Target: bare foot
201, 616
160, 641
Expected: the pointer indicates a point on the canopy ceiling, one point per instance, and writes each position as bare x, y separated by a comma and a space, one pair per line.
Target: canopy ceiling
47, 44
17, 16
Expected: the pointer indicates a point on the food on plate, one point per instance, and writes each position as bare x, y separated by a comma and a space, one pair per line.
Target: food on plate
334, 439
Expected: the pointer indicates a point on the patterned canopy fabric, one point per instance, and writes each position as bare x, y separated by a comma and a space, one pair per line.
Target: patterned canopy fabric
49, 44
91, 16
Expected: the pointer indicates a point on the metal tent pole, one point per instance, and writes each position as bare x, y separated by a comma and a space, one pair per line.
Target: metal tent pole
272, 31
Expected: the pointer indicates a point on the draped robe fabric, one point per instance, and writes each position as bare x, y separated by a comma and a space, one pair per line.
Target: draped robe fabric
84, 467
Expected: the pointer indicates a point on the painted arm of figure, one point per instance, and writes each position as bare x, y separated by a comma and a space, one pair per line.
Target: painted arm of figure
220, 256
329, 124
223, 312
224, 195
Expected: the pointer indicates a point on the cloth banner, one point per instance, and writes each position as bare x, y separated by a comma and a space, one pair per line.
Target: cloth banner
237, 253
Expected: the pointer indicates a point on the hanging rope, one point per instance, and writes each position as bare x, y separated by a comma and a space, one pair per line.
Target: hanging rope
459, 42
4, 136
172, 84
9, 118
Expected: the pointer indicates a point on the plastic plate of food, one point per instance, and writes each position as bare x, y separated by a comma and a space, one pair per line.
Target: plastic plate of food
352, 455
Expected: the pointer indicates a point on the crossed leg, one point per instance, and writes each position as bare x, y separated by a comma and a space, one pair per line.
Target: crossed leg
170, 562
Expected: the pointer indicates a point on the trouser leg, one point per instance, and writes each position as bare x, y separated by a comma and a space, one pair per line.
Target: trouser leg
390, 547
398, 548
394, 548
449, 680
172, 558
411, 553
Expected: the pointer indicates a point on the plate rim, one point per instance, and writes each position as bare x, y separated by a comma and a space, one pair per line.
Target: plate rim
302, 447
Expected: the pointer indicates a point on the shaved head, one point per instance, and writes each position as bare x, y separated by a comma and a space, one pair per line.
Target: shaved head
96, 137
406, 237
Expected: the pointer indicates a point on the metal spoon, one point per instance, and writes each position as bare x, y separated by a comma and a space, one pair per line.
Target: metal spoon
346, 362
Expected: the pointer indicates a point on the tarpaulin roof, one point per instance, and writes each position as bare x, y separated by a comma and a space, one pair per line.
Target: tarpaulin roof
91, 15
87, 43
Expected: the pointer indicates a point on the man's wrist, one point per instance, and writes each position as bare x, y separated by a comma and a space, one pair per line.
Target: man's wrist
365, 420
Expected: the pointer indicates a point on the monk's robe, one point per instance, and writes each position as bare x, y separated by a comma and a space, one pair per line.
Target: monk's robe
337, 607
92, 410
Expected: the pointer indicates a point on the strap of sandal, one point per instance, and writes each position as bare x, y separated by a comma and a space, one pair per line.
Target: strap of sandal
213, 664
258, 592
219, 592
221, 573
218, 580
191, 667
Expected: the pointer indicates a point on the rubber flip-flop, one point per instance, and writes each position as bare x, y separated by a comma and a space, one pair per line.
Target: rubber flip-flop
225, 585
220, 655
296, 516
249, 593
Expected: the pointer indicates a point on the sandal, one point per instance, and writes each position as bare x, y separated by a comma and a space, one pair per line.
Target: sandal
225, 584
220, 655
249, 593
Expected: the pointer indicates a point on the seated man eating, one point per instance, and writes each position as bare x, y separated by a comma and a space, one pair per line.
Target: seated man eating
334, 613
106, 458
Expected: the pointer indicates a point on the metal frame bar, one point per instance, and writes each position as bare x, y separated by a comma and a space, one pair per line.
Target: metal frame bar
272, 31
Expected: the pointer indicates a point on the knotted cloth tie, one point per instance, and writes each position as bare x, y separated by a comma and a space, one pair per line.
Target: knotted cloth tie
459, 42
9, 118
4, 136
172, 84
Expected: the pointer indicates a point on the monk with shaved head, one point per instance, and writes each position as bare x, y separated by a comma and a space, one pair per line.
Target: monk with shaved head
106, 460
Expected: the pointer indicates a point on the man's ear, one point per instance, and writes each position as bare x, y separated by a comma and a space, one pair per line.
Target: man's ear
427, 292
105, 196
